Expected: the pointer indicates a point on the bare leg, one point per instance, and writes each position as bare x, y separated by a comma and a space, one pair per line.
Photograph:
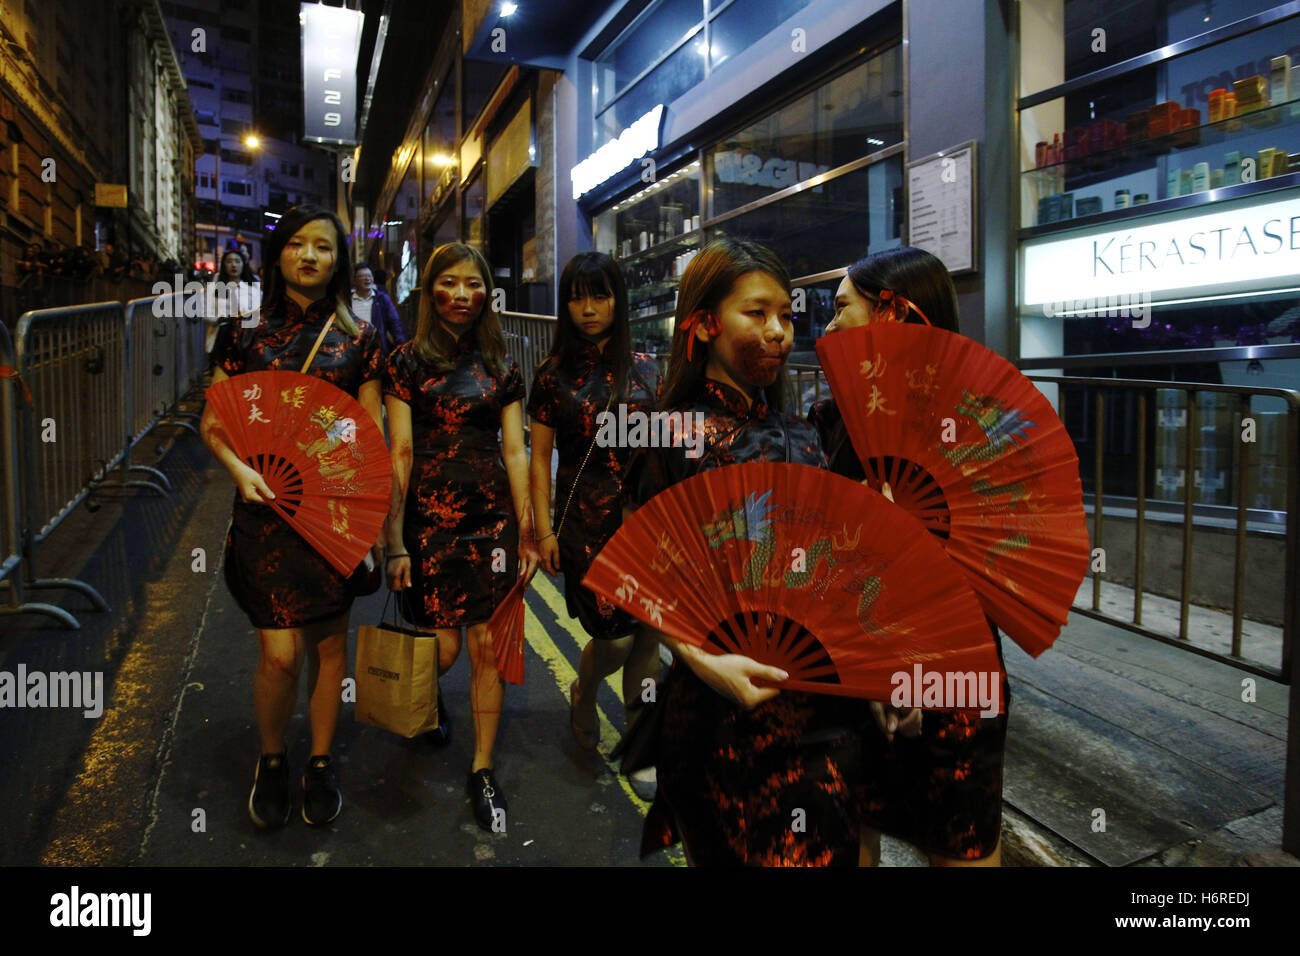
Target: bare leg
993, 859
448, 647
869, 847
599, 660
326, 651
486, 695
642, 664
275, 684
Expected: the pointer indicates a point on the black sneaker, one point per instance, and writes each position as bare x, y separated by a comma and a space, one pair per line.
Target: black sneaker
440, 736
321, 800
489, 802
269, 804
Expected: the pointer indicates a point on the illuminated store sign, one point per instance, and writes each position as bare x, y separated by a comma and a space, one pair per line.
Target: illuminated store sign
750, 169
615, 156
331, 40
1247, 246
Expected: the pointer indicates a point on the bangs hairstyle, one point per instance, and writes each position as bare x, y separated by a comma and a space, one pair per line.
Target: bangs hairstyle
914, 274
709, 278
432, 342
339, 288
593, 273
245, 270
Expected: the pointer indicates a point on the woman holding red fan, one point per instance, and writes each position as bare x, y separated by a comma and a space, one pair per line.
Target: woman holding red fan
737, 760
463, 529
293, 596
591, 370
936, 778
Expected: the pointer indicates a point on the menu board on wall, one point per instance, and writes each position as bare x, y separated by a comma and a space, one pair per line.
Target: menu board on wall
941, 206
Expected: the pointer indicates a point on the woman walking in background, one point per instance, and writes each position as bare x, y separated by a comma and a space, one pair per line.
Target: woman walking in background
591, 369
463, 529
293, 596
936, 777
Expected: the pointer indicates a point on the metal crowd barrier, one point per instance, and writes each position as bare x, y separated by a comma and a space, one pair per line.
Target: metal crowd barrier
91, 382
528, 340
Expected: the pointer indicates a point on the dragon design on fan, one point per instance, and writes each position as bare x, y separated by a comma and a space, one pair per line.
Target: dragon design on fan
335, 451
1001, 426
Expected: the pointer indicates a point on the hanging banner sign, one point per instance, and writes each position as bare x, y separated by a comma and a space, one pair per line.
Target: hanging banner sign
110, 194
331, 41
617, 155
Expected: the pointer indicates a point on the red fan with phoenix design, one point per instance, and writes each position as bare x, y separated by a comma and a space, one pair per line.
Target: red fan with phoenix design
971, 447
320, 453
802, 569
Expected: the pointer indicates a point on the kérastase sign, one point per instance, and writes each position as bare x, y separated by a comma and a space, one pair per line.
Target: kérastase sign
615, 156
1245, 245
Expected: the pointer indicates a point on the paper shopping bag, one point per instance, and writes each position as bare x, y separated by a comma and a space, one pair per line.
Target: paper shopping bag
397, 678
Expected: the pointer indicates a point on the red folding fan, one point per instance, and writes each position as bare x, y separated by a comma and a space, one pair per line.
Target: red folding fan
319, 452
802, 569
506, 632
973, 449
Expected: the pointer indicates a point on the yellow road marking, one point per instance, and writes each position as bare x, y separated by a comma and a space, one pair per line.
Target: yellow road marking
565, 674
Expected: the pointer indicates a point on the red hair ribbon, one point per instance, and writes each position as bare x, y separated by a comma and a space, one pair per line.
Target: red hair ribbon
688, 329
900, 304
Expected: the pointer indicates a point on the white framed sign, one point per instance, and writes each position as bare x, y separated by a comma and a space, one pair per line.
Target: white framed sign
1245, 245
941, 210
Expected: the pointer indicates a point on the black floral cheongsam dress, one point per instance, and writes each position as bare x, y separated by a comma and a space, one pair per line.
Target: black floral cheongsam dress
569, 402
730, 780
276, 577
459, 526
941, 790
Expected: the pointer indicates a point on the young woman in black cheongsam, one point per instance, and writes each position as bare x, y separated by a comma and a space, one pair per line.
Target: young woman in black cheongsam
735, 759
293, 596
591, 369
464, 527
936, 778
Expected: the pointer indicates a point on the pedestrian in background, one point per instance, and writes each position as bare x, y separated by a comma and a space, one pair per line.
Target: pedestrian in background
591, 369
463, 528
936, 775
370, 303
292, 595
236, 296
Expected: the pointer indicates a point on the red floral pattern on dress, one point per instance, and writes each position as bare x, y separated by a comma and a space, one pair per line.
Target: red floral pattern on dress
459, 509
569, 401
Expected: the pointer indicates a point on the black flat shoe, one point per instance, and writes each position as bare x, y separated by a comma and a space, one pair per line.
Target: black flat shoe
489, 802
441, 735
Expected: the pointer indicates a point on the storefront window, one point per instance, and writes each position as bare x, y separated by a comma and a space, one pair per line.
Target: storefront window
829, 226
677, 74
473, 214
1064, 39
745, 21
851, 116
657, 30
440, 139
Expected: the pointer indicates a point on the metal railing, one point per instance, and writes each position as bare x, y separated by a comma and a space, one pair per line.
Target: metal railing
88, 383
528, 340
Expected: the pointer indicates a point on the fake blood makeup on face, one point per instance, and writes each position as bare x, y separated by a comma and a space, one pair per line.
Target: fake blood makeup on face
452, 311
756, 363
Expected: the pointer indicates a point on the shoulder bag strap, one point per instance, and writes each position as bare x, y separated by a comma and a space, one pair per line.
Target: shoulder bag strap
319, 339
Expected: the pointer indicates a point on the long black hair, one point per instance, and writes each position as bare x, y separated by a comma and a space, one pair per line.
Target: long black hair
593, 273
339, 288
708, 280
914, 274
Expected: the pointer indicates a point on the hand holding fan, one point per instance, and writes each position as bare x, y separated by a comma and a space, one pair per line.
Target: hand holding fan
319, 452
799, 568
972, 448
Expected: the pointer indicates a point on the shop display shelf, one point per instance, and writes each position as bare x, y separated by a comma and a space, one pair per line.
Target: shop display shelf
1131, 156
1204, 197
676, 244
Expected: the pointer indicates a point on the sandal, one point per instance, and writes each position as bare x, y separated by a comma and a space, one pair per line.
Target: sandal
587, 737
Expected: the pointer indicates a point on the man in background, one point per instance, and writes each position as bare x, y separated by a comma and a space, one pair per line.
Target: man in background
372, 304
